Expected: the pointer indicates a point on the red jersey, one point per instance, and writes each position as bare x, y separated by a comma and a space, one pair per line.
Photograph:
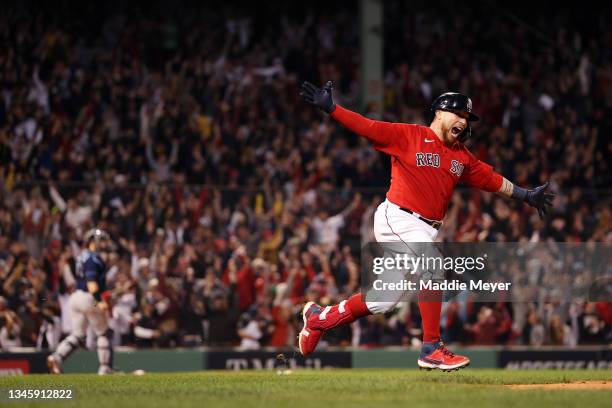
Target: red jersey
424, 172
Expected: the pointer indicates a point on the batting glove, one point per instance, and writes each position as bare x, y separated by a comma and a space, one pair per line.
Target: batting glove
319, 97
537, 197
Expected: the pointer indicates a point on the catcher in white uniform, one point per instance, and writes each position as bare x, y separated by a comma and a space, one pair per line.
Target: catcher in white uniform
87, 306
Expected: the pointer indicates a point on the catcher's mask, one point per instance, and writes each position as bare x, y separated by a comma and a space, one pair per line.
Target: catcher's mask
99, 237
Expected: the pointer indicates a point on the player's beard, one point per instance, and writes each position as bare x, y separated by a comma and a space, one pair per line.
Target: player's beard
451, 136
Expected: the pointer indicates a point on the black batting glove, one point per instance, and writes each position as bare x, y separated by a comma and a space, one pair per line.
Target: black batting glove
319, 97
537, 197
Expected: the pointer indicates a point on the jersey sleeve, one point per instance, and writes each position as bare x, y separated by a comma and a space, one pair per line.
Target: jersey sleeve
481, 175
337, 221
387, 137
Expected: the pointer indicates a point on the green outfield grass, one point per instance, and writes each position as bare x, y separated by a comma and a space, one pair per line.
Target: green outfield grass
308, 388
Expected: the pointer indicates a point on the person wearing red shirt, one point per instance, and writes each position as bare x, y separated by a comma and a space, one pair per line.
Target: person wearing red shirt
427, 162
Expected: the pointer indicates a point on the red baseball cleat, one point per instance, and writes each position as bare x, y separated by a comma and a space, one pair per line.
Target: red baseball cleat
309, 337
436, 355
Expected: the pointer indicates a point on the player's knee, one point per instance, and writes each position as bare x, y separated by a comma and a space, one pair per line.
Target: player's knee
380, 307
103, 341
77, 340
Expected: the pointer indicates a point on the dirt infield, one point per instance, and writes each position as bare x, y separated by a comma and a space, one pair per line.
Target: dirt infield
580, 385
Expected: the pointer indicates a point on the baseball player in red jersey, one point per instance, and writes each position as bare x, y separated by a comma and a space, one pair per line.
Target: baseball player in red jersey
427, 163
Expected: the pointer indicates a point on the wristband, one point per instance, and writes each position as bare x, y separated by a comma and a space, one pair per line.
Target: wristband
519, 193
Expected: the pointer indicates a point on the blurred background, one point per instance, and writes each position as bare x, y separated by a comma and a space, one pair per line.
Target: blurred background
177, 127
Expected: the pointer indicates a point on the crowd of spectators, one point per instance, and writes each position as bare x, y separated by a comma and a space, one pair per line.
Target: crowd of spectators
179, 130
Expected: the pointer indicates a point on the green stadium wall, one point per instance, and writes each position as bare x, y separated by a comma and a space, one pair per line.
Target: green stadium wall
398, 358
158, 360
147, 360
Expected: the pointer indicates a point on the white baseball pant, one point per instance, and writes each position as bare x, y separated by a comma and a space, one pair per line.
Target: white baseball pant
84, 313
393, 225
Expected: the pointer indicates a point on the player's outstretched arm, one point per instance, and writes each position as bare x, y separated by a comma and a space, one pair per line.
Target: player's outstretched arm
536, 197
387, 137
481, 175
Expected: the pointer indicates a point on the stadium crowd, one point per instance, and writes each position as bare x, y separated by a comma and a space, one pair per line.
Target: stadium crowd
231, 203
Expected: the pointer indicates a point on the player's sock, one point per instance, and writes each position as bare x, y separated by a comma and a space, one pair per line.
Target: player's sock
357, 306
345, 312
105, 349
68, 346
430, 305
429, 347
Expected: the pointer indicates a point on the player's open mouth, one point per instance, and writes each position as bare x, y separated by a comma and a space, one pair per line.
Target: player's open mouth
456, 131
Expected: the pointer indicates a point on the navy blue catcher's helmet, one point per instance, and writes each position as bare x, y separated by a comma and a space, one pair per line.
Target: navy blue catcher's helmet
456, 102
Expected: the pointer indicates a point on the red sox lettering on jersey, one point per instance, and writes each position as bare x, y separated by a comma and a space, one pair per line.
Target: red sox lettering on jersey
424, 172
433, 160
